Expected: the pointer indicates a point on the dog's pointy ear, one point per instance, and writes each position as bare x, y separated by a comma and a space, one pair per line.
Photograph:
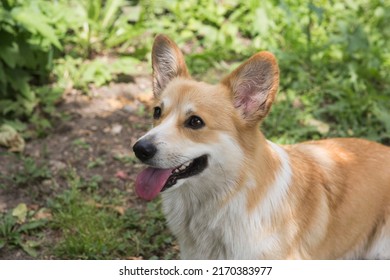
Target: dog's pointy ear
254, 85
167, 62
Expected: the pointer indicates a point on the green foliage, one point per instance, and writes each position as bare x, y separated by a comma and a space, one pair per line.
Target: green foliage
81, 143
338, 77
334, 58
126, 159
96, 163
90, 230
100, 23
35, 35
16, 229
31, 173
148, 232
87, 232
80, 74
27, 46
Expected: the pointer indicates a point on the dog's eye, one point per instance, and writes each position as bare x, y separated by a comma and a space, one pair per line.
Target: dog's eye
194, 122
157, 113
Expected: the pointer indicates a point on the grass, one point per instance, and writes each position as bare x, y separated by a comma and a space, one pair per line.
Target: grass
86, 231
92, 229
85, 223
96, 163
19, 229
81, 143
126, 159
31, 173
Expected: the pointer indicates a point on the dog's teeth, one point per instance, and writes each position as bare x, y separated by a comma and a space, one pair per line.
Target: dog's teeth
181, 168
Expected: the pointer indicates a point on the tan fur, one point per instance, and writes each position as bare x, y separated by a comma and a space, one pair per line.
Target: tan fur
354, 193
334, 201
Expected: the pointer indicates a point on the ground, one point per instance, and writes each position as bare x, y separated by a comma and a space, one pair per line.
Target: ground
94, 138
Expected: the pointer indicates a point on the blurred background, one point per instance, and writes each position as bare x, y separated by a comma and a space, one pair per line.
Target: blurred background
75, 85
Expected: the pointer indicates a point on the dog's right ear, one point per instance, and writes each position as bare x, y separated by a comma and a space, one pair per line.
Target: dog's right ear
167, 62
254, 85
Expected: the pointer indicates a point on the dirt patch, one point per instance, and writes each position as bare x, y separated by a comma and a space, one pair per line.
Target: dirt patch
94, 139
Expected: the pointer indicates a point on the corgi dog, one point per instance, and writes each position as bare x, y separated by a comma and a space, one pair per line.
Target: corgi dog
229, 193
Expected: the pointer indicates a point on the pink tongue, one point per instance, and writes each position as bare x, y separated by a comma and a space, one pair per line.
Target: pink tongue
150, 182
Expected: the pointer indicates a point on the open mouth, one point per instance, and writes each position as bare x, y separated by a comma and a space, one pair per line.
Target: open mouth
188, 169
151, 181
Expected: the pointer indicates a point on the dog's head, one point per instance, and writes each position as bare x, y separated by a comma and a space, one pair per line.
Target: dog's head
200, 130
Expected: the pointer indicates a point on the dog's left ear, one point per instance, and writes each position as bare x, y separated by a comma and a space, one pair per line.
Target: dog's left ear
167, 62
254, 85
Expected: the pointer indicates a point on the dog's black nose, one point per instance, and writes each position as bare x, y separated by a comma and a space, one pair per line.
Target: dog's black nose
144, 150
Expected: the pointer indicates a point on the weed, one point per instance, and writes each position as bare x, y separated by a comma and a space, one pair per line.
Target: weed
126, 159
88, 232
148, 232
92, 230
31, 173
16, 230
93, 184
95, 163
81, 143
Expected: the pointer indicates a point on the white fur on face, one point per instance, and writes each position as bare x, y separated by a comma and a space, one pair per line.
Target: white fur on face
174, 149
169, 145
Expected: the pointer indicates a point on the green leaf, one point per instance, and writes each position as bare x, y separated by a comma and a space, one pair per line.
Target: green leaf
110, 10
125, 65
16, 124
97, 72
35, 23
2, 243
5, 17
30, 59
126, 36
93, 9
7, 106
29, 250
383, 115
318, 11
2, 74
19, 82
32, 225
10, 55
